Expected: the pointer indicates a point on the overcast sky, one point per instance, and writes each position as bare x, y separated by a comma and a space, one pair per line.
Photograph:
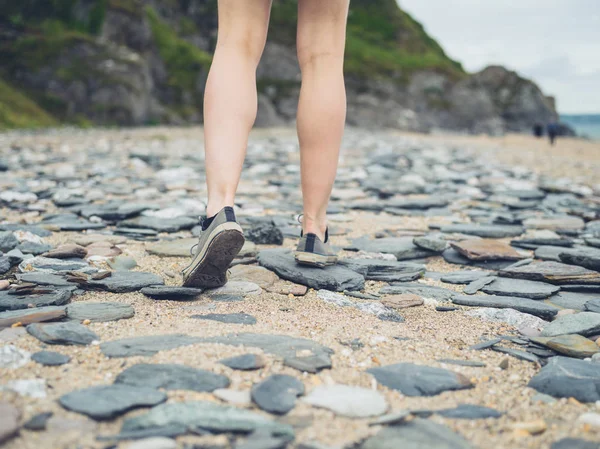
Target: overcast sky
554, 42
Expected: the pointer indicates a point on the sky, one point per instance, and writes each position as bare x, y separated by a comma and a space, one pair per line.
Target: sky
556, 43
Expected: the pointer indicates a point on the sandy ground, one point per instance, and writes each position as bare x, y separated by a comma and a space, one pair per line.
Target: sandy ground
432, 335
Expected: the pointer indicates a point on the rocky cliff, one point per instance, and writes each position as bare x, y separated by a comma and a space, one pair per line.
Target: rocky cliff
135, 62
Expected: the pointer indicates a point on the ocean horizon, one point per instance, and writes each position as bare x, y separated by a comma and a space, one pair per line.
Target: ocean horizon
585, 125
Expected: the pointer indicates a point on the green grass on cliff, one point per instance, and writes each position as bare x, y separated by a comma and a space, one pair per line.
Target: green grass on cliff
18, 111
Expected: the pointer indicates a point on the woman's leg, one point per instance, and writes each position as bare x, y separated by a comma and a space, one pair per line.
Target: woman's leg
230, 100
322, 106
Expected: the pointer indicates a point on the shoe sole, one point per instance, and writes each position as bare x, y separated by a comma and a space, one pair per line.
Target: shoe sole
209, 267
315, 260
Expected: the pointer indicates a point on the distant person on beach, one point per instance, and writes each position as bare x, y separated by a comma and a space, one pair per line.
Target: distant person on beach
552, 130
538, 130
230, 107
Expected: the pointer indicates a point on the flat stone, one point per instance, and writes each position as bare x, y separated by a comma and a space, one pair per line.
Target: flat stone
7, 241
69, 333
452, 256
243, 288
416, 434
517, 353
236, 397
69, 222
172, 293
335, 278
265, 234
40, 278
431, 242
125, 281
9, 424
593, 305
482, 230
402, 301
47, 265
50, 358
99, 311
553, 272
172, 248
33, 315
122, 263
558, 223
477, 285
146, 346
109, 401
9, 301
171, 377
422, 290
88, 239
205, 415
574, 443
549, 252
348, 401
160, 224
522, 321
67, 251
486, 249
573, 300
564, 377
277, 393
570, 345
38, 422
402, 248
258, 275
261, 439
287, 288
583, 323
524, 305
471, 363
469, 411
385, 270
245, 362
520, 288
464, 277
584, 257
485, 344
226, 298
419, 380
299, 353
229, 318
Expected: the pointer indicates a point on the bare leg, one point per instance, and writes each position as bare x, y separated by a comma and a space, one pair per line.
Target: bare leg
322, 106
230, 100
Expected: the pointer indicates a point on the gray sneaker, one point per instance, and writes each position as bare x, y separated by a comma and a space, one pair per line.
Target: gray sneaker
314, 252
217, 246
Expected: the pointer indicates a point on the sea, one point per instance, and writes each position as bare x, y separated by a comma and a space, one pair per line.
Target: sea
585, 125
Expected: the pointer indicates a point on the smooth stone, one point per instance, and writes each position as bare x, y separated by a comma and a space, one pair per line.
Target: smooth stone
573, 300
167, 431
520, 288
243, 288
277, 393
397, 417
125, 281
482, 230
171, 377
452, 256
553, 272
348, 401
122, 263
471, 363
50, 358
258, 275
524, 305
517, 353
485, 344
241, 398
299, 353
99, 311
88, 239
385, 270
574, 443
431, 242
402, 248
9, 424
419, 380
445, 309
166, 292
47, 265
422, 290
5, 265
585, 257
282, 287
416, 434
36, 230
564, 377
583, 323
154, 443
335, 278
464, 277
8, 241
160, 224
229, 318
33, 315
261, 439
109, 401
477, 285
571, 345
205, 415
593, 305
549, 252
69, 333
486, 249
32, 248
40, 278
67, 251
245, 362
38, 422
522, 321
227, 298
557, 223
18, 302
146, 346
402, 301
265, 234
12, 357
172, 248
469, 411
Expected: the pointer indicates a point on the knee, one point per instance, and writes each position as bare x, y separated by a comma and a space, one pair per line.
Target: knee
248, 45
310, 57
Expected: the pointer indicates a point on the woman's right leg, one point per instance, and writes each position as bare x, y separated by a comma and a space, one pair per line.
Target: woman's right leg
230, 101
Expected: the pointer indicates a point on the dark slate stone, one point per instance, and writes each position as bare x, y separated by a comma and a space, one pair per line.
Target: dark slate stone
172, 293
171, 377
34, 248
521, 355
229, 318
50, 358
168, 431
385, 270
452, 256
469, 411
146, 346
16, 302
282, 346
431, 242
263, 440
593, 305
537, 308
471, 363
245, 362
582, 323
7, 241
418, 203
70, 222
227, 298
15, 256
160, 224
5, 264
99, 311
485, 344
445, 309
549, 253
265, 234
533, 243
585, 257
69, 333
520, 288
572, 300
277, 393
478, 284
424, 290
553, 272
125, 281
37, 230
583, 288
38, 422
37, 277
401, 247
110, 401
564, 377
575, 443
483, 230
419, 380
464, 277
416, 434
335, 278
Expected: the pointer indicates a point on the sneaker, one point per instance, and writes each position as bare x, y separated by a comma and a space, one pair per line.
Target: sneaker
220, 241
314, 252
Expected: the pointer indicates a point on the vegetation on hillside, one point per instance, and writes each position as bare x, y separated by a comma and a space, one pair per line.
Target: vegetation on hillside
18, 111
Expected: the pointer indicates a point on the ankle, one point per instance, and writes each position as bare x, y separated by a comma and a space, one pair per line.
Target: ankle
214, 207
310, 226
